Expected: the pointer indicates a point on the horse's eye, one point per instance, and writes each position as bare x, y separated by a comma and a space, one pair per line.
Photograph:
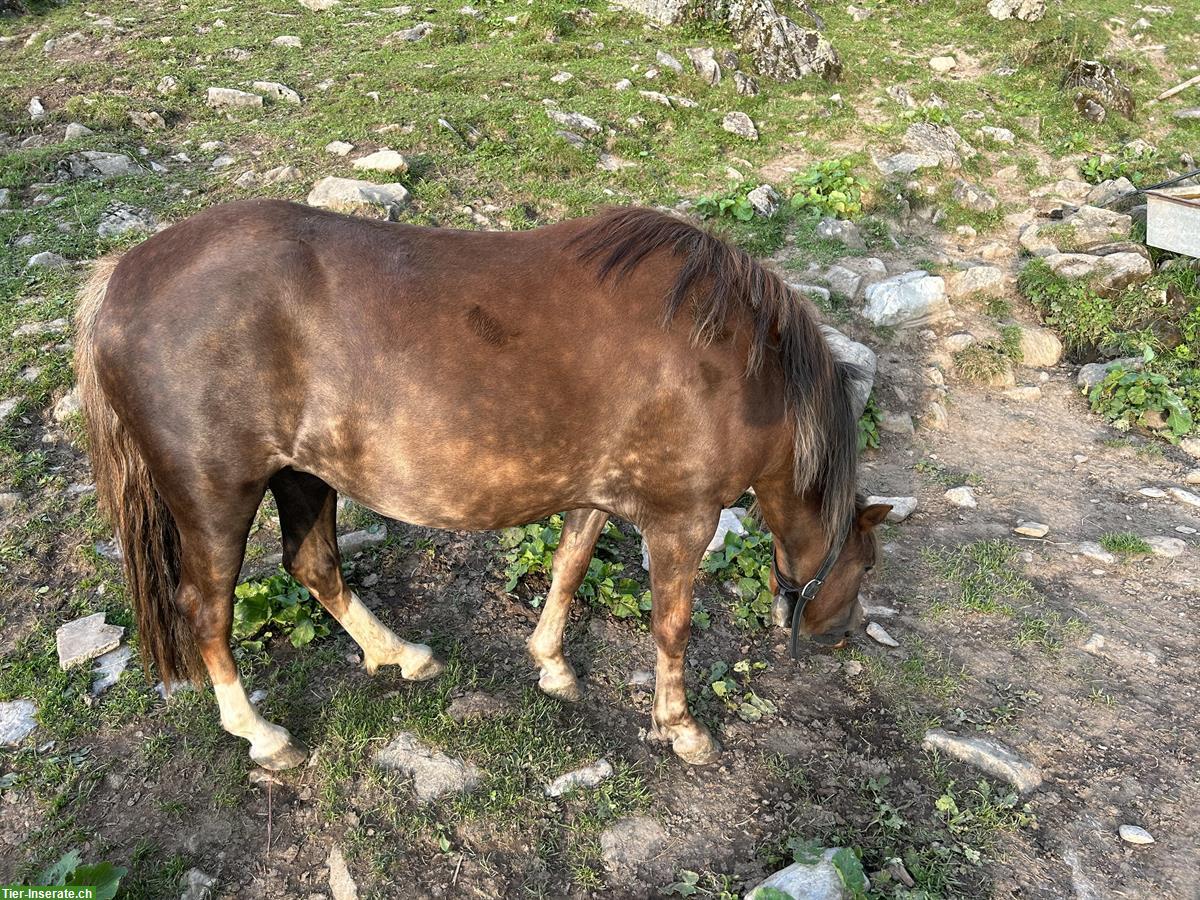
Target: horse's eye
868, 569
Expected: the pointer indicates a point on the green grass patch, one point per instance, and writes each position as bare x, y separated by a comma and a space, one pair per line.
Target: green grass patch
1124, 543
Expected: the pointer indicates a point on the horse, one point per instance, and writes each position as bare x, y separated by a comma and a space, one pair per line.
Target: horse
629, 364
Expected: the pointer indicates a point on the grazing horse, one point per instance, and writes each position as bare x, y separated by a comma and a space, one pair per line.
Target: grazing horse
628, 364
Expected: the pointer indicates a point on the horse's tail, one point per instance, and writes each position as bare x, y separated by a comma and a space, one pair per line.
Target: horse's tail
145, 529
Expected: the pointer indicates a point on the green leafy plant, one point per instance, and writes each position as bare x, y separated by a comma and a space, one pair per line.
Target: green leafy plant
1139, 165
69, 872
828, 188
623, 597
746, 561
1128, 397
733, 206
277, 604
868, 425
732, 687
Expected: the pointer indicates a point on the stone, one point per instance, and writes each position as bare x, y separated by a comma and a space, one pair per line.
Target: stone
1166, 547
586, 777
765, 200
859, 13
705, 63
67, 406
973, 197
1191, 446
319, 5
1188, 114
667, 61
730, 520
831, 229
901, 507
1065, 190
1192, 477
341, 885
1093, 551
75, 131
631, 843
102, 165
1040, 347
282, 174
1025, 10
476, 706
940, 141
108, 669
86, 638
1109, 191
1032, 529
433, 773
287, 40
1094, 85
935, 417
978, 280
356, 541
896, 423
18, 719
740, 124
339, 148
1109, 273
1135, 834
1187, 498
1092, 374
879, 634
561, 77
782, 50
8, 499
962, 497
41, 329
276, 91
959, 341
384, 160
820, 880
1091, 226
907, 301
47, 260
231, 98
745, 85
902, 164
37, 112
1023, 393
1153, 493
943, 64
859, 355
1036, 242
146, 120
360, 197
997, 134
987, 755
411, 35
197, 885
120, 219
843, 281
574, 121
667, 12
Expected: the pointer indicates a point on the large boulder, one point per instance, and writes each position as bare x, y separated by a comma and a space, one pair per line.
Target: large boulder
781, 49
907, 301
859, 355
361, 197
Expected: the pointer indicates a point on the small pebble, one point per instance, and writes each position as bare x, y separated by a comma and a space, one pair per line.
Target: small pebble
879, 634
1032, 529
962, 496
1153, 492
1135, 834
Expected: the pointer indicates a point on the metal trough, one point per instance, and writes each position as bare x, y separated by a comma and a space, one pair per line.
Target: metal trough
1173, 219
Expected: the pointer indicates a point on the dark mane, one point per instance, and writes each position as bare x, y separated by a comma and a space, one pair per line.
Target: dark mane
720, 282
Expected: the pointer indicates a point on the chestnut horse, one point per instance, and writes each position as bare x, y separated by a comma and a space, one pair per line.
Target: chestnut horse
628, 364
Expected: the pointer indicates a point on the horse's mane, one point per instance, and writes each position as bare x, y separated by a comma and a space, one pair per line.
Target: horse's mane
720, 281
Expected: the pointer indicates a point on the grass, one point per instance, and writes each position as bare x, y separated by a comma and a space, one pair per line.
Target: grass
988, 360
1124, 543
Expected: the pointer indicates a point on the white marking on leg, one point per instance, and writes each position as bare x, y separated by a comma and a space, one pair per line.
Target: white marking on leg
238, 716
381, 646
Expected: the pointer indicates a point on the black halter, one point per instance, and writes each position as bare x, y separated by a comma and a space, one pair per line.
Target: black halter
802, 595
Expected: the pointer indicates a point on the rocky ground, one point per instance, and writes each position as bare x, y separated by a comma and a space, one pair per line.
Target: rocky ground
1017, 719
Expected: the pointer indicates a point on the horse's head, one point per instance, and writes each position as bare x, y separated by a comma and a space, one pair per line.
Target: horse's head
819, 594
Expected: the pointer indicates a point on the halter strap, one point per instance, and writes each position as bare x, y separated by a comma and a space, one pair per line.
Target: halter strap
810, 589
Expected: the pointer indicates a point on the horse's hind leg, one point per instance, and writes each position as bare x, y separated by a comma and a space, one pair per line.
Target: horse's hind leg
581, 530
307, 517
211, 555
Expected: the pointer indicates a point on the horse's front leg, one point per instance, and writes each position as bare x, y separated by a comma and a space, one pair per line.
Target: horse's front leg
674, 557
581, 530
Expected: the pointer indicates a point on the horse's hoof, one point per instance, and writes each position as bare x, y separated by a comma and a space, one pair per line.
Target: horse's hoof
563, 685
691, 742
424, 668
288, 756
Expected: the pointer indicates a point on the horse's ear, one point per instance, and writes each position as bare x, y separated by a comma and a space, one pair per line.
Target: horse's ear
872, 515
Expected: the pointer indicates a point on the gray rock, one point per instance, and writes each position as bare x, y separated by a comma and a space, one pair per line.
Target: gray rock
102, 165
813, 292
831, 229
41, 329
1092, 374
75, 131
668, 12
341, 885
765, 200
1091, 226
667, 61
384, 160
973, 197
356, 541
108, 669
843, 281
121, 218
411, 35
901, 507
987, 755
940, 141
477, 705
1032, 529
276, 91
745, 85
1107, 192
978, 280
1188, 114
1187, 498
231, 98
1040, 347
18, 719
630, 844
68, 405
197, 885
1166, 547
287, 40
740, 124
999, 135
434, 774
902, 164
1025, 10
705, 63
574, 121
860, 355
47, 260
86, 638
1096, 89
359, 197
586, 777
962, 497
935, 417
781, 49
1093, 551
1109, 273
879, 635
1135, 834
282, 174
907, 301
806, 881
1191, 446
1114, 651
1036, 242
